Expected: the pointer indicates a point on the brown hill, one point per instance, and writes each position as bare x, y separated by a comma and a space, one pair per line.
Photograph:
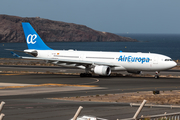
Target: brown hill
52, 31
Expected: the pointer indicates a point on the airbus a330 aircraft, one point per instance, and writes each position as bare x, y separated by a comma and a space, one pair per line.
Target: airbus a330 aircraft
100, 63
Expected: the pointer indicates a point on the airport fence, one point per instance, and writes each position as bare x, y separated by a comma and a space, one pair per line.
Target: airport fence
165, 116
1, 107
170, 116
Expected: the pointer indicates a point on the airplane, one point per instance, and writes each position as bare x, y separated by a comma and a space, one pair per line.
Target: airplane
100, 63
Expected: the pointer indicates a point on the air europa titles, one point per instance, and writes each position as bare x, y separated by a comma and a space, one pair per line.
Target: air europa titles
133, 59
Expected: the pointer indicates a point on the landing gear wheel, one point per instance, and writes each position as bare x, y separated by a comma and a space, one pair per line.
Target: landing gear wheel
82, 75
85, 75
156, 76
89, 75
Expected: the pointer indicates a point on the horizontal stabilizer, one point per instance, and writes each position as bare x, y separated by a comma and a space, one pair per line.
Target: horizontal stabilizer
15, 55
14, 50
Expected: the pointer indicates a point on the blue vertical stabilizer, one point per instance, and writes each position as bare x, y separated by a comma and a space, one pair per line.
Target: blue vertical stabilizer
32, 38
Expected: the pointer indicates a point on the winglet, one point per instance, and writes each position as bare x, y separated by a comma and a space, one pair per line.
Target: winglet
33, 40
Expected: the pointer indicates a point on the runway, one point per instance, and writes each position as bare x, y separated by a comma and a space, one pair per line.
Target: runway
69, 69
101, 85
33, 105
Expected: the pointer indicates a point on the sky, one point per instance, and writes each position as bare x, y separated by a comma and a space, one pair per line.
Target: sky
115, 16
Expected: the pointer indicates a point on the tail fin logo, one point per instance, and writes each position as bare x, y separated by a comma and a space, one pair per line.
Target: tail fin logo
31, 39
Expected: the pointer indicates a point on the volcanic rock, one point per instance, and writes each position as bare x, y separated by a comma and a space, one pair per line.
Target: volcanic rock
53, 31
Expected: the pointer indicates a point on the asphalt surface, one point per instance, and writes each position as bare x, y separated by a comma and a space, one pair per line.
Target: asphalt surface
36, 106
71, 69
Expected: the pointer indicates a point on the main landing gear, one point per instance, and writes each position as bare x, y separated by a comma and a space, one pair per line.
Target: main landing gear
156, 75
87, 72
85, 75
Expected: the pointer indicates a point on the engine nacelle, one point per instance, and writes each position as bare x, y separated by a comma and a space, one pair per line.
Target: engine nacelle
134, 72
31, 52
102, 70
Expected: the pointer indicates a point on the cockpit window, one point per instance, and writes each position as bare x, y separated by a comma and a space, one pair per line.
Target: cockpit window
168, 60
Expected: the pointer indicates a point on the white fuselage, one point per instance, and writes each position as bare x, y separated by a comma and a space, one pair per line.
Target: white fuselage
117, 60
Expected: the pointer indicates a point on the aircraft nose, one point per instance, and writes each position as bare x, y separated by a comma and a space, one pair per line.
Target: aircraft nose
174, 64
170, 65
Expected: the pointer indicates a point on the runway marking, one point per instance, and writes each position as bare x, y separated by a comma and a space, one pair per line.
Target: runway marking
149, 88
13, 84
13, 74
97, 80
47, 85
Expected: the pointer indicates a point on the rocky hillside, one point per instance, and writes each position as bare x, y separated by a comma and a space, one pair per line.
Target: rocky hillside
52, 31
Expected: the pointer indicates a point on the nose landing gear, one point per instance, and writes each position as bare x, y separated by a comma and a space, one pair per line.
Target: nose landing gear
157, 75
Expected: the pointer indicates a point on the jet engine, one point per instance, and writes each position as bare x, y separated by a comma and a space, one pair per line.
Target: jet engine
102, 70
134, 72
31, 52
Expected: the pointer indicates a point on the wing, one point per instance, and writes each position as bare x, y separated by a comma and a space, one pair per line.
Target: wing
79, 62
68, 61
